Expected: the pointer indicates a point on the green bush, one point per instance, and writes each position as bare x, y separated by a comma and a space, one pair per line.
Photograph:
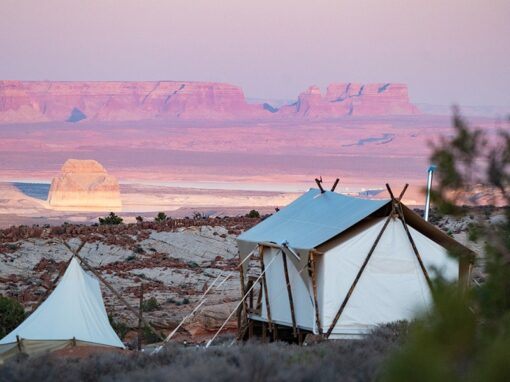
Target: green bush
150, 305
160, 217
254, 214
111, 219
119, 327
11, 315
466, 334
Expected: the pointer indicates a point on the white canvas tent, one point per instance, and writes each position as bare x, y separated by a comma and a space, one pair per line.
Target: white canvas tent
73, 315
338, 265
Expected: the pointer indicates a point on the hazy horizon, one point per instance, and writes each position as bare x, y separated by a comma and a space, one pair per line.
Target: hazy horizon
447, 52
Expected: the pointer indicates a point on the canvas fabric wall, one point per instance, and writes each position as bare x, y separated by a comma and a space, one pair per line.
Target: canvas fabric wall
75, 309
392, 286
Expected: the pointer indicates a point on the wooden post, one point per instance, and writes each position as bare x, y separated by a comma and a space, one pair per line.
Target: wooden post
122, 299
358, 276
415, 249
244, 308
335, 184
140, 318
313, 275
319, 183
18, 342
264, 285
289, 293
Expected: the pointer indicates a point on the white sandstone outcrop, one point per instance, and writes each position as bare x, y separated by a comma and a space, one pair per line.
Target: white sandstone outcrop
84, 185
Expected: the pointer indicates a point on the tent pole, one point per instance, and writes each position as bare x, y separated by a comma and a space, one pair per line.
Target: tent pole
20, 345
358, 276
108, 285
60, 273
289, 293
264, 285
311, 262
415, 249
244, 307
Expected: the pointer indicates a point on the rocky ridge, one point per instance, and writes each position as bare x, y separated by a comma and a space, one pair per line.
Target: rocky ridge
46, 101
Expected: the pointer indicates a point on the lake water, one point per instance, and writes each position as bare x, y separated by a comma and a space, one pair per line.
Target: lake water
34, 190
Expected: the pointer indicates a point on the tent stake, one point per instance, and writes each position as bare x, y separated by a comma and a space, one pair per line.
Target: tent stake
289, 293
311, 263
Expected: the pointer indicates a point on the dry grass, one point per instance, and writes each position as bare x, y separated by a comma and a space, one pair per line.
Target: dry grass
326, 361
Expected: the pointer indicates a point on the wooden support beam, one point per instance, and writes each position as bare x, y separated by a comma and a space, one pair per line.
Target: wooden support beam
116, 294
289, 293
244, 308
264, 285
358, 276
415, 249
313, 276
335, 184
319, 184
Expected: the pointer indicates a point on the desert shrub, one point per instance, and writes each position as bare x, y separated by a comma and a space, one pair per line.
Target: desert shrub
253, 214
466, 334
150, 305
160, 217
331, 360
139, 219
148, 335
119, 327
111, 219
11, 315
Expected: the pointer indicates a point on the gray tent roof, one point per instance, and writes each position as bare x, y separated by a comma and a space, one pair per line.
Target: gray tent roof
312, 219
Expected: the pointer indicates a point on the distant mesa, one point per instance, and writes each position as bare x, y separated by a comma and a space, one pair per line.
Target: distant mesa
44, 101
354, 99
84, 185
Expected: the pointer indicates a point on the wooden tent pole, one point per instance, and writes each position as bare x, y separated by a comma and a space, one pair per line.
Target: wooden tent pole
244, 307
358, 276
415, 249
59, 275
313, 275
264, 285
335, 184
108, 285
289, 293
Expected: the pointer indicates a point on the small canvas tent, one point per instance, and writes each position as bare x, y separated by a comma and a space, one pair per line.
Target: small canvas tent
73, 315
337, 265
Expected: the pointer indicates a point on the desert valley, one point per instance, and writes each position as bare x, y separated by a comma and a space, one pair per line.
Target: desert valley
184, 146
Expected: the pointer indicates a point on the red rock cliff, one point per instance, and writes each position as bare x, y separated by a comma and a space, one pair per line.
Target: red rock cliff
37, 101
353, 99
40, 101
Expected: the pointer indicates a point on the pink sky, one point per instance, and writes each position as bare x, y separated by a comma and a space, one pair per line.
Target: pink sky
447, 51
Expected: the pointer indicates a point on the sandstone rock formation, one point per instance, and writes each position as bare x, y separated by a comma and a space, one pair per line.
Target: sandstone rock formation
39, 101
84, 185
42, 101
353, 99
